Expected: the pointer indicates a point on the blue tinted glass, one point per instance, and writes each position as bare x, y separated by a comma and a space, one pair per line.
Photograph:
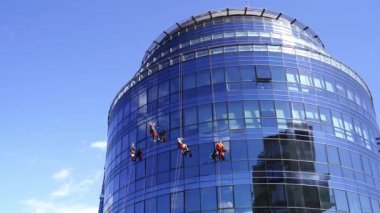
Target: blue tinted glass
163, 89
251, 109
243, 197
341, 200
267, 108
150, 205
203, 78
220, 111
226, 197
190, 116
354, 202
239, 150
204, 113
333, 155
232, 74
189, 81
208, 199
247, 73
177, 202
263, 73
235, 110
278, 74
163, 203
192, 201
218, 75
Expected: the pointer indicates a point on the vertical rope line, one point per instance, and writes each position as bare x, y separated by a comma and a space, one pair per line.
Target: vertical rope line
216, 131
180, 106
125, 197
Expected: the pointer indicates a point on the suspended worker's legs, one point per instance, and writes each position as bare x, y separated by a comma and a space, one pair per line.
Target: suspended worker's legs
214, 155
139, 154
162, 136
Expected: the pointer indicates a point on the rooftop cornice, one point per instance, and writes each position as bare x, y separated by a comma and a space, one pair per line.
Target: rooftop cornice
258, 12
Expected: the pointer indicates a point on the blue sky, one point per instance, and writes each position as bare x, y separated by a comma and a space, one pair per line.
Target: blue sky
62, 62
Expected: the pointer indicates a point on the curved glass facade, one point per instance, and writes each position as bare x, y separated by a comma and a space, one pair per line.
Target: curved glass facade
299, 126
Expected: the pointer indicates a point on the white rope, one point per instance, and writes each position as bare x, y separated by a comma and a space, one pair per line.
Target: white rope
216, 131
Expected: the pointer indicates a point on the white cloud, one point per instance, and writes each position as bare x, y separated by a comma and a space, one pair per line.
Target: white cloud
63, 191
102, 145
61, 175
70, 187
40, 206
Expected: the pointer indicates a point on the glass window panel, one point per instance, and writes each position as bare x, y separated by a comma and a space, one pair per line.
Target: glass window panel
192, 203
218, 75
174, 85
177, 202
235, 110
375, 205
330, 84
306, 152
203, 78
247, 73
292, 75
267, 109
142, 99
318, 81
152, 94
298, 111
295, 195
243, 197
345, 158
341, 200
239, 150
272, 149
311, 112
220, 111
208, 198
305, 78
283, 109
333, 156
263, 73
367, 166
356, 161
252, 123
289, 149
232, 74
354, 202
163, 89
277, 195
261, 196
338, 124
226, 197
237, 123
174, 120
325, 115
255, 148
326, 197
139, 207
311, 196
350, 95
278, 74
189, 81
251, 109
150, 205
163, 164
365, 203
340, 89
204, 113
190, 116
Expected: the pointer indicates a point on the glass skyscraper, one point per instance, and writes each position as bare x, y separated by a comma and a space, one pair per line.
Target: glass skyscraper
299, 126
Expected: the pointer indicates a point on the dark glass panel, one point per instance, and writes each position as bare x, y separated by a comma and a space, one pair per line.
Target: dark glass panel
263, 73
311, 196
247, 73
289, 149
151, 205
261, 196
218, 75
203, 78
272, 149
295, 195
232, 74
277, 195
326, 197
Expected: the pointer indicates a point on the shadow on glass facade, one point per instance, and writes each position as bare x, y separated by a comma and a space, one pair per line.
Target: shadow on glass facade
299, 126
